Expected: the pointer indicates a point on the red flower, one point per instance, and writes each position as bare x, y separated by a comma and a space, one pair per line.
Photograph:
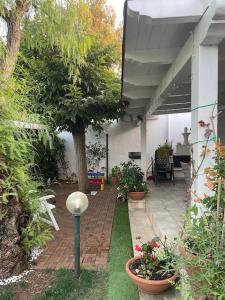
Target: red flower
154, 244
138, 248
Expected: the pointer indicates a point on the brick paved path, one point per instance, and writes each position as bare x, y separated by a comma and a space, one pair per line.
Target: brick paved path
96, 227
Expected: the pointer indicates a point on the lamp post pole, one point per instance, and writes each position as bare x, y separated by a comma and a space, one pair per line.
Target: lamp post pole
77, 245
76, 204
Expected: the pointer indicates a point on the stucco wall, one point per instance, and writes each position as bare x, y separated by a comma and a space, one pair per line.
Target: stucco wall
124, 137
176, 124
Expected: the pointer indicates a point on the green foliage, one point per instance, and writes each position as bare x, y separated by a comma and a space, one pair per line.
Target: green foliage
90, 100
204, 235
35, 235
48, 157
131, 179
16, 159
95, 153
203, 239
164, 151
116, 172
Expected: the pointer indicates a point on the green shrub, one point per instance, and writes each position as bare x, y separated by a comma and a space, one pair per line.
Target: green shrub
16, 159
116, 172
131, 179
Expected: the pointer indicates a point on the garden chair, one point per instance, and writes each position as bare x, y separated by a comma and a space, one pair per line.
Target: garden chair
163, 169
47, 208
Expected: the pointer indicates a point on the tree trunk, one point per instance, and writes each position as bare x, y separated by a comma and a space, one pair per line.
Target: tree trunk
13, 19
13, 259
81, 162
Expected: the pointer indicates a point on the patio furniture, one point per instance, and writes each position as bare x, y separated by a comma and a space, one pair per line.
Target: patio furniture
177, 159
163, 169
47, 208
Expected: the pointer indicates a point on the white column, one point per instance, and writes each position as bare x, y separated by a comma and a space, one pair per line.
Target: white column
204, 95
143, 129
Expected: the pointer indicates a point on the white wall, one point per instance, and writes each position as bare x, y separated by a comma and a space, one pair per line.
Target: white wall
176, 124
124, 137
157, 134
69, 150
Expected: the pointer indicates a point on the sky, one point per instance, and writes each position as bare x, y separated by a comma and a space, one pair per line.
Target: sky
118, 7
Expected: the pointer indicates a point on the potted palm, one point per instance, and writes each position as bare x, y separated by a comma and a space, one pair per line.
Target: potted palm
154, 270
131, 181
115, 175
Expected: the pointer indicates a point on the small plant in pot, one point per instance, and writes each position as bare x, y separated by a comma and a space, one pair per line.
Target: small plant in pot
115, 175
131, 181
154, 270
164, 151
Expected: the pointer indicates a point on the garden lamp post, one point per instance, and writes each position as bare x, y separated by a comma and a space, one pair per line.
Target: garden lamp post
76, 204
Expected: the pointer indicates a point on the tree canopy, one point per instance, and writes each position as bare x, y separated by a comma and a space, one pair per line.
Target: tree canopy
91, 94
62, 24
75, 95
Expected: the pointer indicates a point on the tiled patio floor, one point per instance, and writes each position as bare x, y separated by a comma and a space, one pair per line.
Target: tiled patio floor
165, 207
96, 227
160, 214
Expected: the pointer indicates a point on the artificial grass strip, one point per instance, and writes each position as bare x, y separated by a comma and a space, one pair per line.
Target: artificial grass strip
92, 285
120, 286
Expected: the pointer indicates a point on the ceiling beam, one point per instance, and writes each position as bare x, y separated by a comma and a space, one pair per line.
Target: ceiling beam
162, 56
150, 81
169, 10
134, 93
182, 99
175, 106
172, 111
199, 36
138, 103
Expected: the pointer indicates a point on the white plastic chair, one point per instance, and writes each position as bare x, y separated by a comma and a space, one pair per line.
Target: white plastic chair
47, 207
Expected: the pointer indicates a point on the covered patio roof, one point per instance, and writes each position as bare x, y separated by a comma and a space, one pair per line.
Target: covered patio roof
159, 42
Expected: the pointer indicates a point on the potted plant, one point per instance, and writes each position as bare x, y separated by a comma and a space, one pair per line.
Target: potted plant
154, 270
164, 151
115, 175
131, 181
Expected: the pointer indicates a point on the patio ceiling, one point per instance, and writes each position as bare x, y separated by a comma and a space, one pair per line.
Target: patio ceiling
159, 37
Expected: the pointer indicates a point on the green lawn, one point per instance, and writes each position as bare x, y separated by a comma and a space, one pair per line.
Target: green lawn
93, 285
120, 286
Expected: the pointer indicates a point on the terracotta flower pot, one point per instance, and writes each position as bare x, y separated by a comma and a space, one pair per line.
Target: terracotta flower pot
137, 195
115, 180
152, 287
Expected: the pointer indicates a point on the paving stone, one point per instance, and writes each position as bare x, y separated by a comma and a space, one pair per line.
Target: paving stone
96, 227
